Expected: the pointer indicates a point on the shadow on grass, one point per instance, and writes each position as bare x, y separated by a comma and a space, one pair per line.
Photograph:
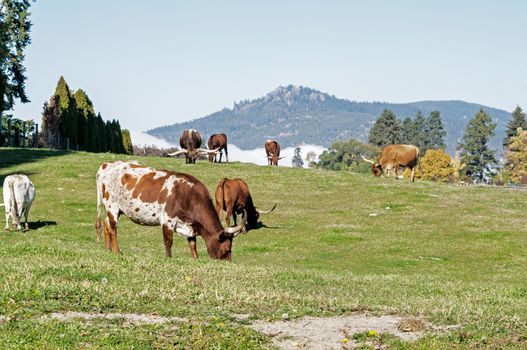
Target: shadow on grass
38, 224
15, 156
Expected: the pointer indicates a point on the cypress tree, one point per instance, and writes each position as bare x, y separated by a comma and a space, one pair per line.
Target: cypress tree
435, 132
68, 111
386, 130
102, 146
517, 121
84, 111
475, 152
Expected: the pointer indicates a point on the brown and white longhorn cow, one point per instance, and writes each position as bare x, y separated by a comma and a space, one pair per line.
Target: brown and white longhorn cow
190, 143
218, 142
272, 149
393, 156
176, 201
233, 197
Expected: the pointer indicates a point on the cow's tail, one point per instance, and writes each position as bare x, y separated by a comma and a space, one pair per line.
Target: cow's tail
98, 222
13, 204
220, 198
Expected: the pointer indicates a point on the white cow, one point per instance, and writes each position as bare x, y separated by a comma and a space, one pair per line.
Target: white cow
19, 194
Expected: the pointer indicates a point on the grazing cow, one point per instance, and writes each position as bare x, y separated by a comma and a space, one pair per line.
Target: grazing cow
176, 201
218, 142
393, 156
233, 196
272, 149
190, 142
19, 194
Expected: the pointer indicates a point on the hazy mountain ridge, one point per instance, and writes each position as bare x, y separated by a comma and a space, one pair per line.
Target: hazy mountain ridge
295, 115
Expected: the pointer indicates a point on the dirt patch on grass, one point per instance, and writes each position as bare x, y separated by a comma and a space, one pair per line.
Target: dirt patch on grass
127, 318
338, 332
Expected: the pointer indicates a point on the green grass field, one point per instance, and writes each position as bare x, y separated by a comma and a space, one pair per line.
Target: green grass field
453, 255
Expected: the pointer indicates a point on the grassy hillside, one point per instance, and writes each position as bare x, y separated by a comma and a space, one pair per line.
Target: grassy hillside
454, 255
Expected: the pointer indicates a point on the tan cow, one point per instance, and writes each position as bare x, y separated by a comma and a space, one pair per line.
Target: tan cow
175, 201
272, 149
393, 156
233, 197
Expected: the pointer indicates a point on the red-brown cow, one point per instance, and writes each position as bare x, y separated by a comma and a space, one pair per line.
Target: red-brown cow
272, 149
176, 201
218, 142
190, 143
233, 197
393, 156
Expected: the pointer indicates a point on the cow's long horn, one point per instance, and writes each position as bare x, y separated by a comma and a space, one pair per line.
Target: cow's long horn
367, 160
202, 150
266, 211
235, 231
282, 158
177, 152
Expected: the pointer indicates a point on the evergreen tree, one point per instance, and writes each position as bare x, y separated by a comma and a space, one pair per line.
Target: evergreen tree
127, 142
50, 131
68, 112
386, 130
84, 111
408, 131
14, 38
109, 137
475, 152
297, 161
517, 121
421, 138
435, 132
102, 145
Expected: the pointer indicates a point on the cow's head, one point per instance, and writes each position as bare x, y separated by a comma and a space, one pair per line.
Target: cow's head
274, 158
193, 154
219, 247
376, 168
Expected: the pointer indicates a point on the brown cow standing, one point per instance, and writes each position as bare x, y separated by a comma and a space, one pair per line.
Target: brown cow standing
272, 149
233, 197
176, 201
393, 156
218, 142
190, 142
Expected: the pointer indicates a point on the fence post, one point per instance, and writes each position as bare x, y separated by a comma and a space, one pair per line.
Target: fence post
8, 133
35, 136
23, 134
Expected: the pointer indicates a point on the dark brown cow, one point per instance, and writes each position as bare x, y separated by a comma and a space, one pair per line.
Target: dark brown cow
176, 201
272, 149
393, 156
190, 143
233, 197
218, 142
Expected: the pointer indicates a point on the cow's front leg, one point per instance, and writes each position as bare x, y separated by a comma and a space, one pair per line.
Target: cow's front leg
193, 247
168, 235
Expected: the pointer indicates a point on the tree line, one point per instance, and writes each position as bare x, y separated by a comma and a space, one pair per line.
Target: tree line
69, 121
474, 161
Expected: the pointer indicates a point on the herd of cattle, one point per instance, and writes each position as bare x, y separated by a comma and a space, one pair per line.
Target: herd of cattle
179, 202
190, 143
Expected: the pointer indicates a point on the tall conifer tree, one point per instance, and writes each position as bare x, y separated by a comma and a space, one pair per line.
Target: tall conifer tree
386, 130
68, 112
474, 149
435, 132
517, 121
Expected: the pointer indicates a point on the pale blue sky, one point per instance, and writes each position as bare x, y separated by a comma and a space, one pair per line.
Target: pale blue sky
152, 63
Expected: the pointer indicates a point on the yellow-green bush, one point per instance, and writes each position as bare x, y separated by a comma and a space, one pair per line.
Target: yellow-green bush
434, 165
